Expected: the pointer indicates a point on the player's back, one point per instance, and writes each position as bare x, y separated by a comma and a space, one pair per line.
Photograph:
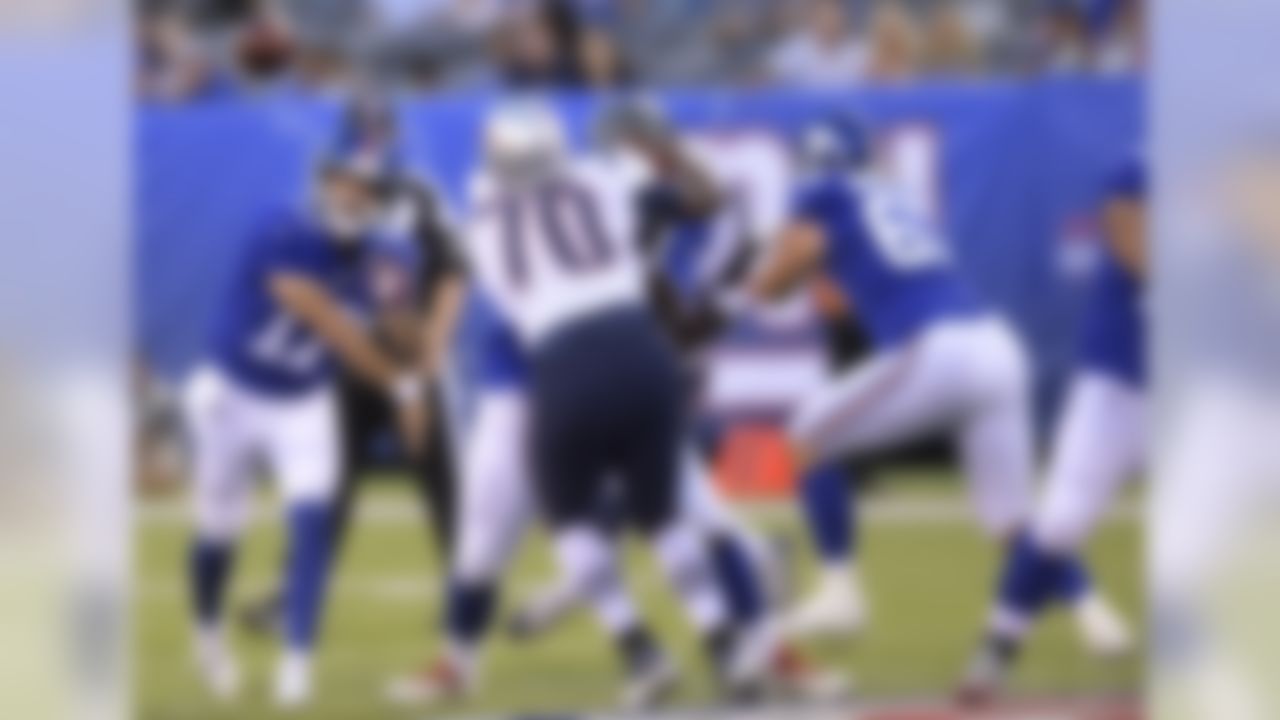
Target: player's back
895, 266
558, 256
557, 248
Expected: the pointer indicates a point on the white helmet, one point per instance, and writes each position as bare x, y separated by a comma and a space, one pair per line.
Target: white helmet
522, 135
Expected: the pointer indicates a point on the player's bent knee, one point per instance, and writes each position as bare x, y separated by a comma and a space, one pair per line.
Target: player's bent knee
1058, 535
312, 487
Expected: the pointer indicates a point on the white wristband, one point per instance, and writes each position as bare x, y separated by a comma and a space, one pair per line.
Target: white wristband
406, 388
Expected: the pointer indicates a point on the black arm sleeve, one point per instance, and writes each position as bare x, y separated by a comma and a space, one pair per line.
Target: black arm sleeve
441, 256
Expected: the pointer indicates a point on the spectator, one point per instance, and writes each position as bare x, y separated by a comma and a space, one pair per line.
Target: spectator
539, 47
172, 64
322, 67
821, 51
602, 63
952, 46
895, 43
265, 46
1064, 38
1121, 37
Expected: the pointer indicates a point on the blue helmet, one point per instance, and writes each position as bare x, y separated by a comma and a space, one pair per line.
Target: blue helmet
379, 166
369, 118
837, 140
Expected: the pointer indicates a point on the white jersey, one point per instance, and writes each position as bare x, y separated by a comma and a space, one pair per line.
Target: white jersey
561, 249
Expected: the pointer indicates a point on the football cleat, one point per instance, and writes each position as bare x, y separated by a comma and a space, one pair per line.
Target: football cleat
650, 686
218, 669
797, 677
986, 677
1101, 628
541, 612
837, 608
293, 681
441, 682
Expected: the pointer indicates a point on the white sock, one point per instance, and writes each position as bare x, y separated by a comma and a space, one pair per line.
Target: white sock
463, 657
589, 566
296, 662
1008, 623
683, 556
210, 640
840, 575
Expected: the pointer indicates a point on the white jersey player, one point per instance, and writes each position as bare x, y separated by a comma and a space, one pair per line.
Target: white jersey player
552, 246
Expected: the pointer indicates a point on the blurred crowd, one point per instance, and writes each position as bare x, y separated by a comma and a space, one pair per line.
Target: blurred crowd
193, 49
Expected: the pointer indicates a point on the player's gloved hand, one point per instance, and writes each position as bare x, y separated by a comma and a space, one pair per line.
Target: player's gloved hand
705, 318
408, 394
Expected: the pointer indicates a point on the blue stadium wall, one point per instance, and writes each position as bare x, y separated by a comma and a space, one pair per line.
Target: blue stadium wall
1020, 169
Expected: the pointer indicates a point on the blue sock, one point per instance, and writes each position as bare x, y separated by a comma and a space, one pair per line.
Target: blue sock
1074, 581
738, 577
468, 610
307, 574
1031, 578
209, 566
828, 496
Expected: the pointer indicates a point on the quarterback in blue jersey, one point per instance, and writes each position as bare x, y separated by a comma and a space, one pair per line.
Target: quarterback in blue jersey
942, 363
1098, 446
290, 314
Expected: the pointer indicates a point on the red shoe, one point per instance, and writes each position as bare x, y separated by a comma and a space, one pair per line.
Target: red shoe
800, 677
440, 682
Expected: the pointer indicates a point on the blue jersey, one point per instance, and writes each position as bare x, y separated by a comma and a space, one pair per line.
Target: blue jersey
500, 362
1114, 337
260, 344
893, 266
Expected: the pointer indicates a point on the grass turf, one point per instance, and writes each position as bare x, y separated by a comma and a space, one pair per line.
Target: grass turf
928, 575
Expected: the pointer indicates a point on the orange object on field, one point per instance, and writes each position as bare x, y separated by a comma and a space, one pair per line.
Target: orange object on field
755, 463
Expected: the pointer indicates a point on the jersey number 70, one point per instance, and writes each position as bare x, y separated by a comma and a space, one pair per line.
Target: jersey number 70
560, 213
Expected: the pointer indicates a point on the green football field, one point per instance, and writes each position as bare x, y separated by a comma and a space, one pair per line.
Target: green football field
927, 570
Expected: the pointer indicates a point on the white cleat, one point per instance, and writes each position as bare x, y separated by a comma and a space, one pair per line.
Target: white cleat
798, 678
1102, 630
542, 612
440, 682
293, 681
748, 672
648, 688
217, 666
838, 608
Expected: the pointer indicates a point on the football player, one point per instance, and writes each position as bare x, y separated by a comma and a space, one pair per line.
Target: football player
553, 246
943, 360
266, 392
1099, 446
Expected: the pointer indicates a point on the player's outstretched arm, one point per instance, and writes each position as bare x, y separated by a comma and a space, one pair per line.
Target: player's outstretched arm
441, 321
794, 257
314, 307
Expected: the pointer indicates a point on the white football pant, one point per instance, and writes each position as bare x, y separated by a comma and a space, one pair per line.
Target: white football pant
497, 501
231, 427
967, 378
1098, 447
